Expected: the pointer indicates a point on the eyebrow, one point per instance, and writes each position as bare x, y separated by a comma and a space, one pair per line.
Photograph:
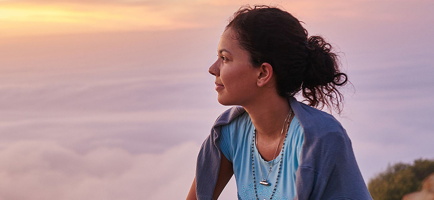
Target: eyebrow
224, 50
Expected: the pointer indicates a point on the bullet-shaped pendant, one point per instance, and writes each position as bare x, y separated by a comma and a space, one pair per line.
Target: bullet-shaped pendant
265, 182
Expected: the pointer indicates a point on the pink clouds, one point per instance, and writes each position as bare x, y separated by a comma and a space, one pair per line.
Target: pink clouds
46, 170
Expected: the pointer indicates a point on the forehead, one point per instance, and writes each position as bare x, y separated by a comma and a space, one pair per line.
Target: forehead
228, 40
229, 33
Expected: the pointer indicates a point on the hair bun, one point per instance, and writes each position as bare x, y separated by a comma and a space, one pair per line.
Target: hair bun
317, 43
320, 69
322, 73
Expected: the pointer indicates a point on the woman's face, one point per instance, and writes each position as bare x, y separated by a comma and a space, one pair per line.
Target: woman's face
236, 77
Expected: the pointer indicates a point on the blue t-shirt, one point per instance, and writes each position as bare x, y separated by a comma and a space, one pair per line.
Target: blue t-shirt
235, 144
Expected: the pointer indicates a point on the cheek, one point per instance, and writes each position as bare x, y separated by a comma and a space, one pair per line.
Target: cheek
228, 74
233, 80
238, 78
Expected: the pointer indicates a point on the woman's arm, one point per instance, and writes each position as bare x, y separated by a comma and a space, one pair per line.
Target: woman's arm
192, 194
225, 174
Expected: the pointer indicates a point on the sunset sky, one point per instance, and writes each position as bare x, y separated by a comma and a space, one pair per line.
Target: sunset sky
112, 99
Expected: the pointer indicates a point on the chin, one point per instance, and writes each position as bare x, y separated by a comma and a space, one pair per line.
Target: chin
225, 102
229, 101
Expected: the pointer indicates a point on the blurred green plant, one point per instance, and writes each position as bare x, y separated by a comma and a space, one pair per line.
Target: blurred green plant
400, 179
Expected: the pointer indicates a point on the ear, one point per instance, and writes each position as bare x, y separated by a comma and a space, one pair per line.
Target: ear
265, 75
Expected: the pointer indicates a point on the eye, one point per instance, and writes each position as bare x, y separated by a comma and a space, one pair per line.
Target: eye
224, 58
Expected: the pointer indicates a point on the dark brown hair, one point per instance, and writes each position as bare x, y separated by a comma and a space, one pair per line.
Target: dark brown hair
300, 63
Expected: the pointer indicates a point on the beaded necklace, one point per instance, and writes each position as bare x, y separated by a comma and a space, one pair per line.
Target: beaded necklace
265, 181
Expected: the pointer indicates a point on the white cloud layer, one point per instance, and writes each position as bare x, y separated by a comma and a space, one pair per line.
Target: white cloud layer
46, 170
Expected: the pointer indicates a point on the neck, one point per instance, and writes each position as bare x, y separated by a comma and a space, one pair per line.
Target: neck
268, 116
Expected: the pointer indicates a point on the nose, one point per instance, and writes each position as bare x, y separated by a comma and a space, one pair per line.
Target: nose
214, 69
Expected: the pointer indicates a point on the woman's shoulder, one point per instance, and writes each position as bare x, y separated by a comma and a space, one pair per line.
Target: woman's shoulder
316, 123
310, 116
238, 124
229, 116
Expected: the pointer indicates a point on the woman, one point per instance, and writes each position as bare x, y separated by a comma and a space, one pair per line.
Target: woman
277, 147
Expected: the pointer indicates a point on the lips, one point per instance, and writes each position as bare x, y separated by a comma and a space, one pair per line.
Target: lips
219, 87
